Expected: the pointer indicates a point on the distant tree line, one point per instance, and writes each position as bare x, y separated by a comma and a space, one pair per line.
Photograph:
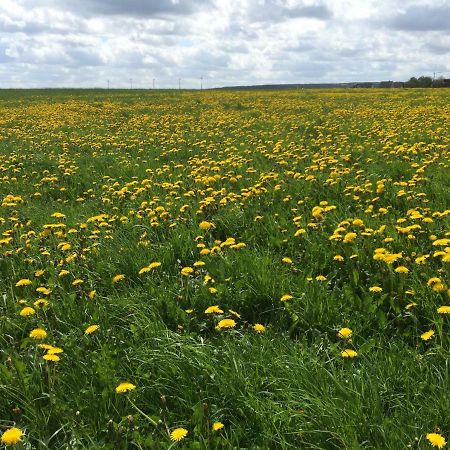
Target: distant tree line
426, 82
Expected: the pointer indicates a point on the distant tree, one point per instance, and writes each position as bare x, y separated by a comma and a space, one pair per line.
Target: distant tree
422, 81
412, 82
425, 81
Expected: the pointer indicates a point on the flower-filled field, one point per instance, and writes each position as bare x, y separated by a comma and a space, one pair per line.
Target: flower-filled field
225, 270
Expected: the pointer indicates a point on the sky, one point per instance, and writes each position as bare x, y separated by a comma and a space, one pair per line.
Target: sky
133, 43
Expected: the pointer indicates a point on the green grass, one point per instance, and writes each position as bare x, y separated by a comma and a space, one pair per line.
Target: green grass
255, 164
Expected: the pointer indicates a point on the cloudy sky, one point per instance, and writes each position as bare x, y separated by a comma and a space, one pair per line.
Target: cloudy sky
55, 43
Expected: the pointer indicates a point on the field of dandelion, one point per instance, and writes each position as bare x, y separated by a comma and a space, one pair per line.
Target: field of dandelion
225, 270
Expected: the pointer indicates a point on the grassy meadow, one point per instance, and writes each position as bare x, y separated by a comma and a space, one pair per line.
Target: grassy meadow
225, 270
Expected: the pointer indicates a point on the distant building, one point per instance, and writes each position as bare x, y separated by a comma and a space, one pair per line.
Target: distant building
365, 85
379, 84
441, 82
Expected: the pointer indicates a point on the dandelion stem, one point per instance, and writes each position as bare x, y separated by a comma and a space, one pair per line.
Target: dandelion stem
152, 421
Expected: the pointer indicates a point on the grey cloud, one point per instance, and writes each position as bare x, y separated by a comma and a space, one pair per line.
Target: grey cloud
83, 56
301, 46
62, 53
240, 30
205, 60
422, 18
279, 10
235, 48
137, 8
5, 54
438, 47
45, 22
36, 28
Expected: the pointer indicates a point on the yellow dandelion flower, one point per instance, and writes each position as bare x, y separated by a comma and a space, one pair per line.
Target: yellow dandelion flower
186, 271
27, 311
51, 357
118, 278
23, 282
443, 310
442, 242
92, 294
287, 260
205, 225
91, 329
63, 273
375, 289
286, 297
436, 440
217, 426
226, 323
213, 290
77, 282
38, 334
40, 303
235, 313
213, 310
259, 328
401, 269
349, 238
230, 241
439, 287
54, 350
321, 278
339, 258
349, 353
154, 265
12, 436
427, 335
144, 270
44, 290
125, 387
434, 280
45, 346
345, 333
178, 434
421, 260
39, 273
199, 264
299, 232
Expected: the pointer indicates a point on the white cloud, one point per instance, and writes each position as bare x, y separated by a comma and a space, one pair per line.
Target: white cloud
87, 42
